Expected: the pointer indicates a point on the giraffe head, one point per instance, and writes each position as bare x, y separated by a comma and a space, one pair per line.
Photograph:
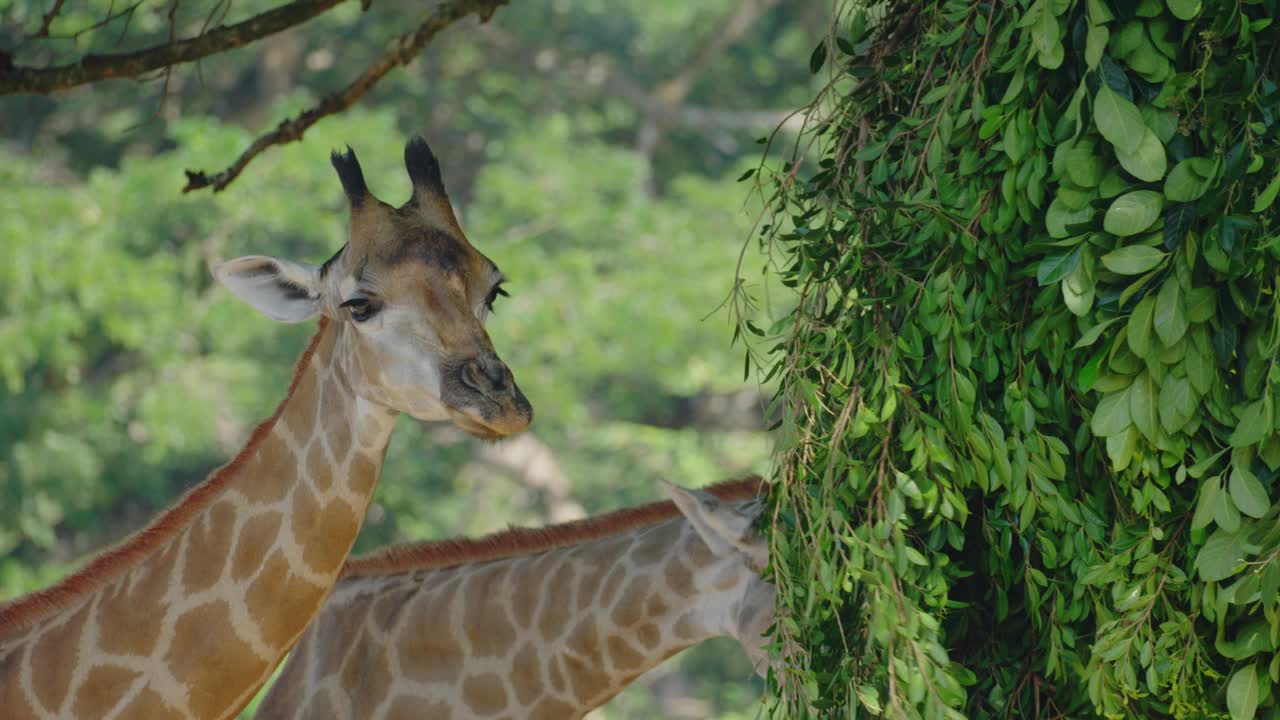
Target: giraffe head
731, 531
410, 296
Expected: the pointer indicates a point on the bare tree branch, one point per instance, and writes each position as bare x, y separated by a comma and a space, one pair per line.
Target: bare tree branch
93, 68
405, 49
48, 19
725, 33
534, 464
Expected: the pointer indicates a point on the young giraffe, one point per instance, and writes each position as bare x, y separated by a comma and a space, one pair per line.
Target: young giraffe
544, 624
187, 618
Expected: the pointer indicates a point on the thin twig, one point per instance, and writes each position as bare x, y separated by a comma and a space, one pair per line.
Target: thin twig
16, 79
404, 50
48, 19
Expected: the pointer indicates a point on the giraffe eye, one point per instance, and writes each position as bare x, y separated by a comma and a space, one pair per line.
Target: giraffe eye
493, 295
360, 308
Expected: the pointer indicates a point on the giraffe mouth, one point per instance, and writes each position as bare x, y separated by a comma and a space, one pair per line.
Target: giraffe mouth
474, 426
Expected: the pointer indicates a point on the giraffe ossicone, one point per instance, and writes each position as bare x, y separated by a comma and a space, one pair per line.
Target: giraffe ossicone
536, 624
188, 617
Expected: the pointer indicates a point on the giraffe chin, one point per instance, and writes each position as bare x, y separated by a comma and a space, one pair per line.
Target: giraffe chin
477, 428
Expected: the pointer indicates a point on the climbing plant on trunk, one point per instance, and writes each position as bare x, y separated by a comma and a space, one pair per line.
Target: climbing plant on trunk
1030, 380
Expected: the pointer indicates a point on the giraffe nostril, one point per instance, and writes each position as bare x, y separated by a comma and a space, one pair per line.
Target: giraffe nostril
473, 376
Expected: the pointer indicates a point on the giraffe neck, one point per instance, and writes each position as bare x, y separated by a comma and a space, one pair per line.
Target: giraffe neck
187, 618
551, 635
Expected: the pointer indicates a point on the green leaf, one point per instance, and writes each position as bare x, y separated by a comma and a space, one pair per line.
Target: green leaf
1268, 194
1247, 493
1095, 44
1118, 120
1147, 161
1170, 320
1138, 331
1177, 403
1084, 166
1091, 335
818, 58
1132, 260
1184, 184
1242, 692
1058, 217
1112, 416
1055, 267
1142, 405
1206, 503
1184, 9
1251, 427
1221, 555
1078, 290
1133, 212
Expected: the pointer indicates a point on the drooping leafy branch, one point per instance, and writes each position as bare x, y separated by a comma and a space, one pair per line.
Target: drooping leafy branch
1029, 381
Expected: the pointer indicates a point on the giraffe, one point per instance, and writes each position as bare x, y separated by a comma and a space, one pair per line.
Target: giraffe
188, 617
542, 624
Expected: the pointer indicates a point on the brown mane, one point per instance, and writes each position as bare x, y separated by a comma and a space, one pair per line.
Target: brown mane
25, 610
437, 554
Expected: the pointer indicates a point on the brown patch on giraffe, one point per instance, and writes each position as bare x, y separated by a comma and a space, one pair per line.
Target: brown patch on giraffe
102, 688
111, 564
257, 536
622, 654
274, 459
556, 605
417, 708
526, 674
148, 704
649, 635
304, 516
52, 655
699, 554
727, 578
679, 578
485, 693
281, 602
552, 709
209, 547
527, 541
207, 662
134, 629
656, 607
484, 617
12, 699
587, 677
584, 640
338, 434
363, 475
318, 467
629, 611
367, 670
325, 551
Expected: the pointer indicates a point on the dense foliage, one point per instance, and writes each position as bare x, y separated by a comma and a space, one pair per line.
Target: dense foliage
126, 374
1030, 385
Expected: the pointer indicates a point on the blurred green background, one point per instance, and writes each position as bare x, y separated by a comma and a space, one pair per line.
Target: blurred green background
591, 148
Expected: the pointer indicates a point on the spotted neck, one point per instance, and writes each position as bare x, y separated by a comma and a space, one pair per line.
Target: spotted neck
188, 618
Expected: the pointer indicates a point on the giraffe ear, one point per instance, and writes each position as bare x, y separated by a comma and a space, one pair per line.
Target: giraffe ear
727, 529
282, 290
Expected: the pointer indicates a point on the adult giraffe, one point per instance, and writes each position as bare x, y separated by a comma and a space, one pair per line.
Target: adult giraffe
542, 624
187, 618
